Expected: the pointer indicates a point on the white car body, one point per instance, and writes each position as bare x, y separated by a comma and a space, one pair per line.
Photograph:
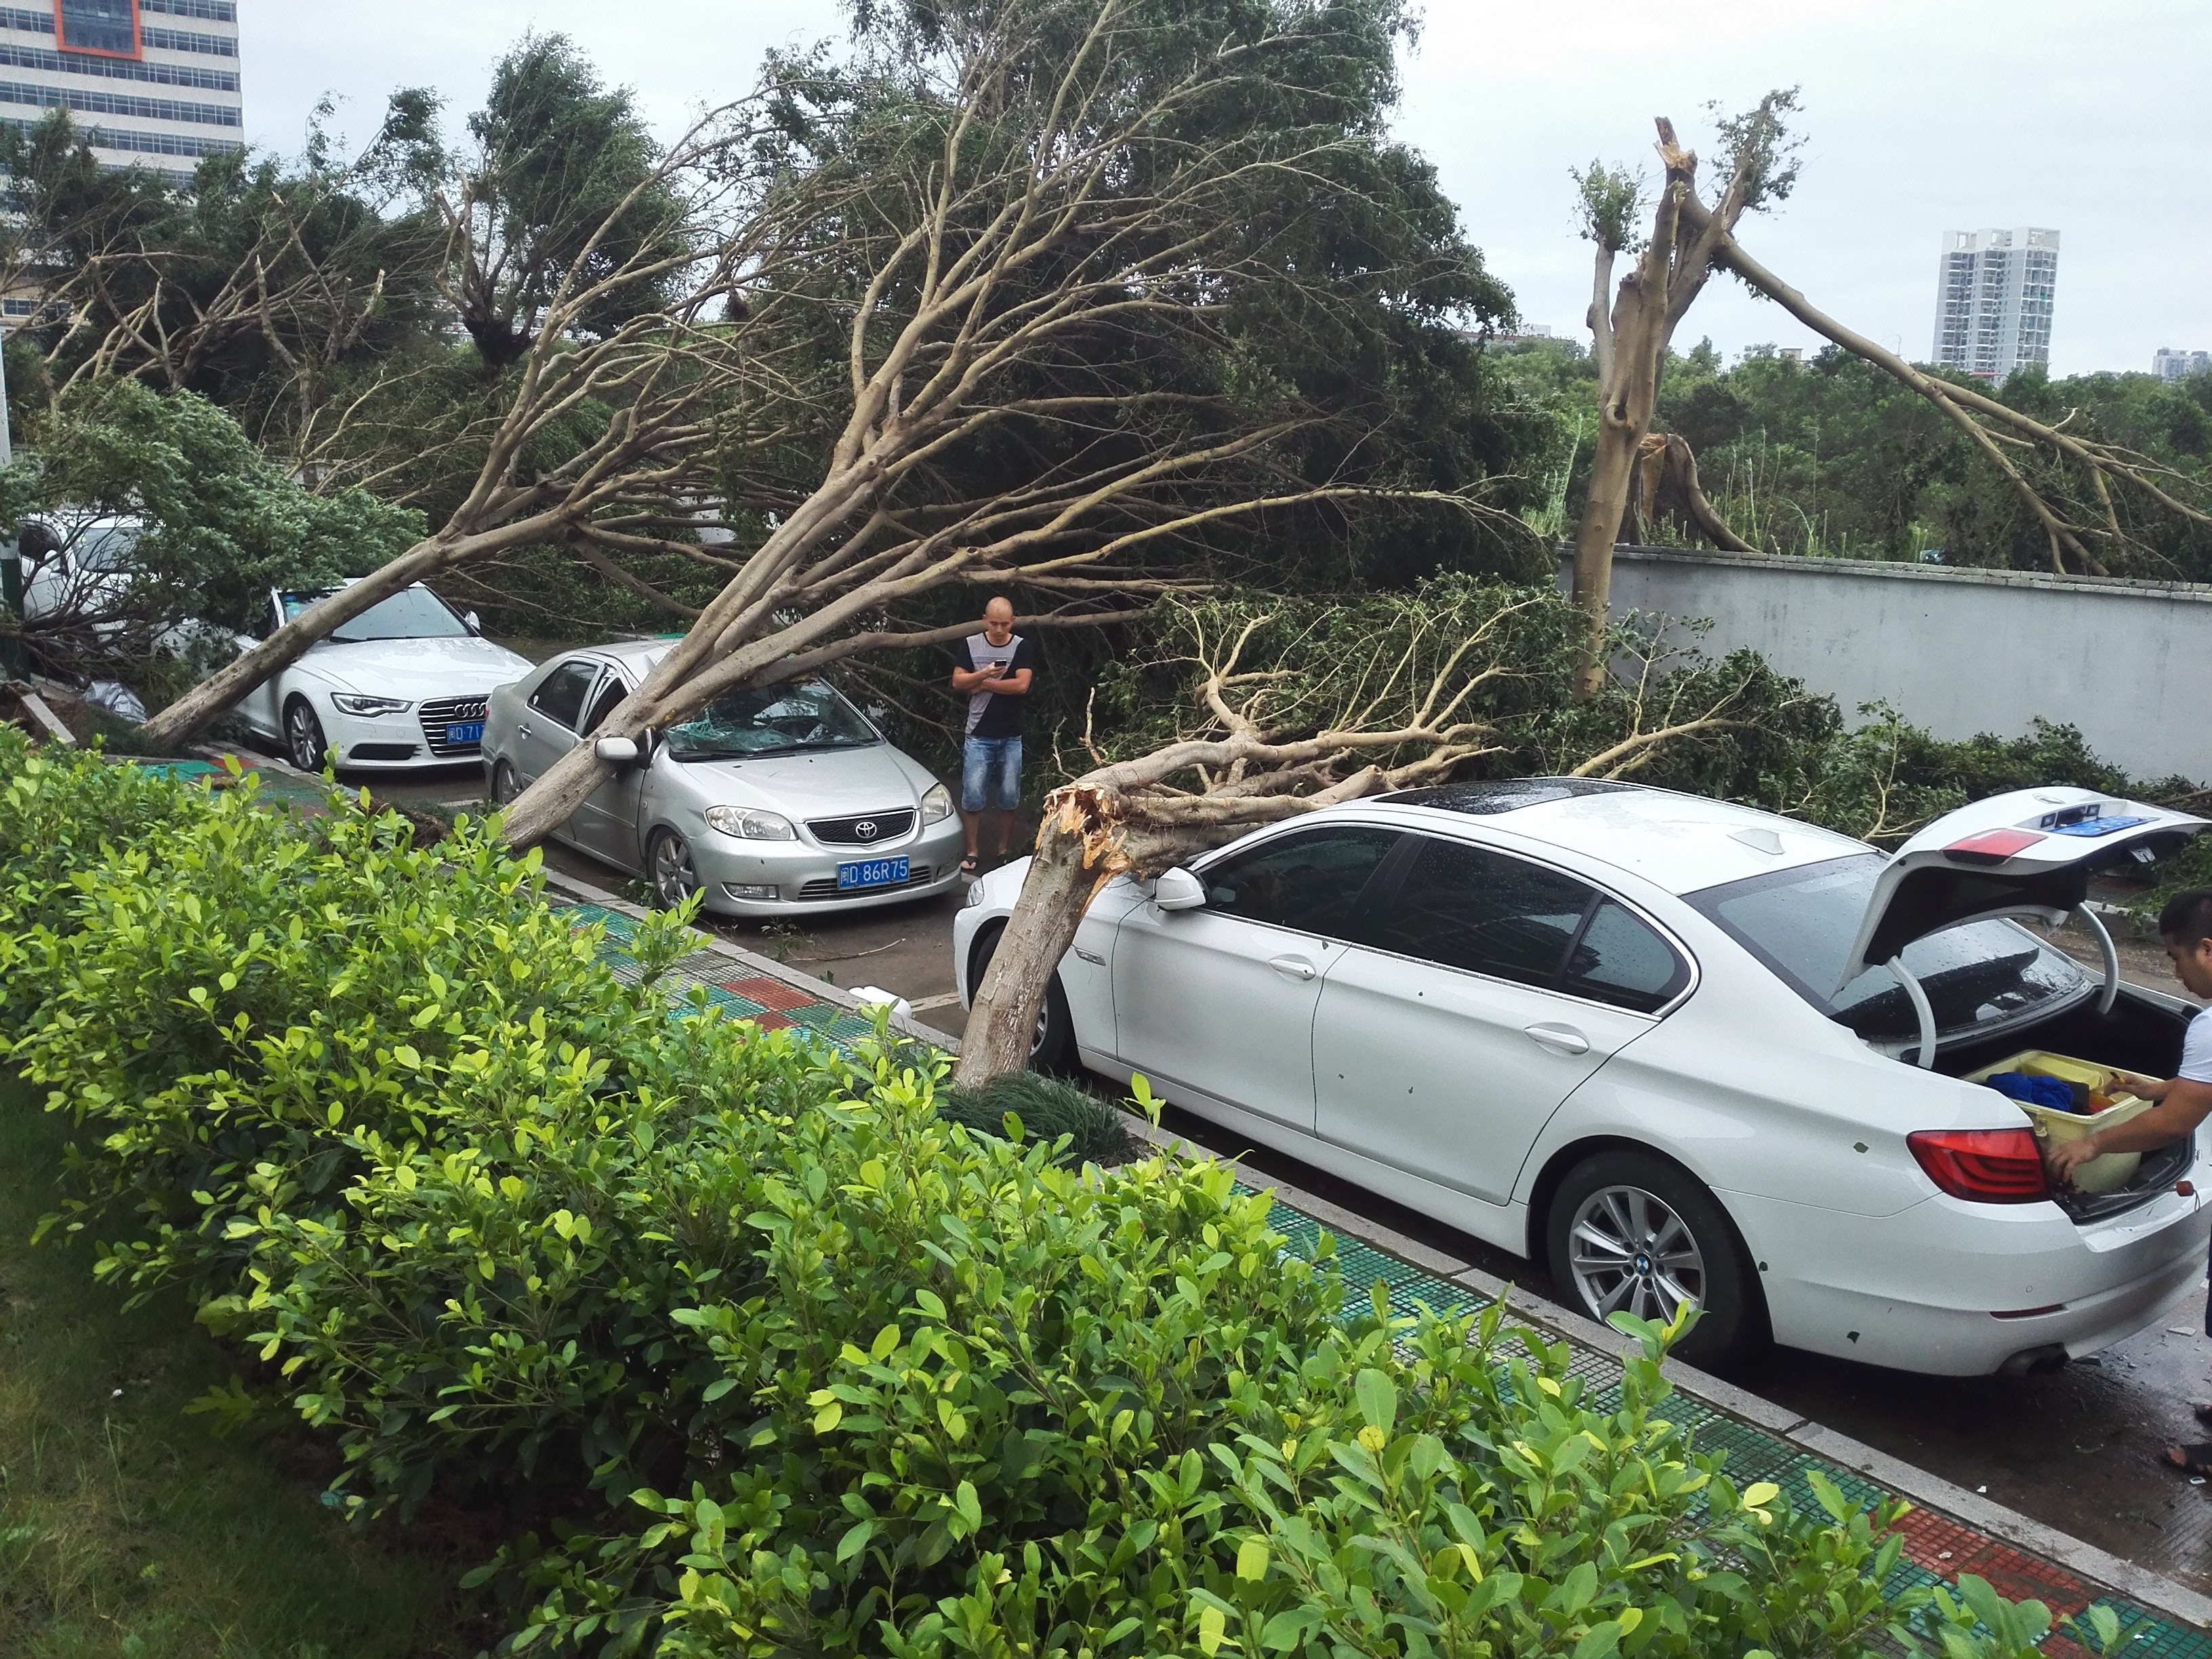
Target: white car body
382, 704
846, 811
1472, 1097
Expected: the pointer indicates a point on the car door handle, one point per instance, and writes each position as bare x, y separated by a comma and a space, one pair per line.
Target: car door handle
1563, 1038
1296, 966
522, 729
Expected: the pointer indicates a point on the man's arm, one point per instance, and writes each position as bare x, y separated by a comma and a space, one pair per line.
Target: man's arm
973, 679
2183, 1105
1014, 683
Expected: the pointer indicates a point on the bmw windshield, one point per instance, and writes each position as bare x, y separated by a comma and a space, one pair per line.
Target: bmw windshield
1801, 924
773, 720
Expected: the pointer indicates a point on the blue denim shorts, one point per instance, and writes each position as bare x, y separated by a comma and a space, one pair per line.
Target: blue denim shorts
991, 775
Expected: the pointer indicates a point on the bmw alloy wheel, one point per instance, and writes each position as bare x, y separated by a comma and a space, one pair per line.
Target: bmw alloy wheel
1629, 1252
674, 876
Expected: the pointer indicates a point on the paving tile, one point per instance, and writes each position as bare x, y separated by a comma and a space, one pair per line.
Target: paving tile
771, 992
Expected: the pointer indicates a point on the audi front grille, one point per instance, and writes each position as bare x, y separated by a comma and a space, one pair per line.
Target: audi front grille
448, 711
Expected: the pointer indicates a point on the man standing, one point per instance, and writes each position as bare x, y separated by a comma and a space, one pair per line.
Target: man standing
999, 665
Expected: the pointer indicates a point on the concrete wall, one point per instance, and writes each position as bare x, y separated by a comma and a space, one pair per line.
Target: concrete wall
1960, 652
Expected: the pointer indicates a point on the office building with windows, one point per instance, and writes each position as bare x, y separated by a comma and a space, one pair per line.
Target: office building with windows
2171, 365
1994, 296
151, 83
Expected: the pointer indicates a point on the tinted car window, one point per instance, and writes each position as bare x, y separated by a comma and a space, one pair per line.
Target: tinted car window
559, 694
1467, 907
603, 704
1801, 923
1311, 882
1621, 959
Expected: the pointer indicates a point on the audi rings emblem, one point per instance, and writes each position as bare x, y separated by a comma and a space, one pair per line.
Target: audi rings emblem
865, 829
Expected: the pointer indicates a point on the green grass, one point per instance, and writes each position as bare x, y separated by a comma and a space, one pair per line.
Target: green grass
128, 1527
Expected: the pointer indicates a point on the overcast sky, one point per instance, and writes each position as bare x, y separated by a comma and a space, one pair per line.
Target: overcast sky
1924, 116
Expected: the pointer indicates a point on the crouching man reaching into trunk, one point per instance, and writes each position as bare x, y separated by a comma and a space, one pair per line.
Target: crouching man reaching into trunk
2184, 1100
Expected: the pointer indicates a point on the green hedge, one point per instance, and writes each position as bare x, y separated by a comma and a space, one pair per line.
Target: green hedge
769, 1355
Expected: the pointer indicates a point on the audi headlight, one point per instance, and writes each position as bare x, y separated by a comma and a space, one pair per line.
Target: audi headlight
937, 804
750, 823
347, 702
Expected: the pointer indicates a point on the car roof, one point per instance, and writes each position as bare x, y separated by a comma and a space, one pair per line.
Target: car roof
640, 654
1681, 844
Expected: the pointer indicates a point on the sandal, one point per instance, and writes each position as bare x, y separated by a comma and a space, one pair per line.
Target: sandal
971, 866
2194, 1459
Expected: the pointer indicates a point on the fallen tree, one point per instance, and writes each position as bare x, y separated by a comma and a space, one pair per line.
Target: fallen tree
1071, 242
1302, 704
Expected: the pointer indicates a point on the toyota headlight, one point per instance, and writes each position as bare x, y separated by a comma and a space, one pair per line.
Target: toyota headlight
347, 702
750, 823
937, 804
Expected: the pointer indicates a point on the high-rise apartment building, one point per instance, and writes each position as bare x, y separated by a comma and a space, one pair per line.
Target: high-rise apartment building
1994, 292
2171, 365
151, 82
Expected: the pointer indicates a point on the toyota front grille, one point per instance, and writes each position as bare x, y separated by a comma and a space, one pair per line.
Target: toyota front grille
868, 829
825, 887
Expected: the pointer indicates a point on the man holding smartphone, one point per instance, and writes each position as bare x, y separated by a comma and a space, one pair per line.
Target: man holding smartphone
993, 669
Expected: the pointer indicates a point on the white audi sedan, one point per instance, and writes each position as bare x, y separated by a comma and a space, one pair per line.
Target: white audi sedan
779, 801
402, 686
1672, 1048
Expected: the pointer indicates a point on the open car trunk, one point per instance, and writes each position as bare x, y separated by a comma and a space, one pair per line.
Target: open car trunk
2030, 855
2143, 1033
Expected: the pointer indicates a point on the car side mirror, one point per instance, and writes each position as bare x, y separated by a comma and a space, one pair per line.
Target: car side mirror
472, 623
1179, 890
616, 751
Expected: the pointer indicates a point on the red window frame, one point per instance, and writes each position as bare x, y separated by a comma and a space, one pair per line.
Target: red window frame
137, 43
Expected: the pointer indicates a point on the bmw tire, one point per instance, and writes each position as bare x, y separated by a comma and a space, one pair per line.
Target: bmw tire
304, 742
1051, 1045
505, 787
1630, 1231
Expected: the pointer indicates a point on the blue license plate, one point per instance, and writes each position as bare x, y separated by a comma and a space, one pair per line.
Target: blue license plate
871, 872
465, 732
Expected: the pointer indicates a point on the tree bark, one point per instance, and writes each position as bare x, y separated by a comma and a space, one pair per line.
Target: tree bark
1055, 894
1612, 463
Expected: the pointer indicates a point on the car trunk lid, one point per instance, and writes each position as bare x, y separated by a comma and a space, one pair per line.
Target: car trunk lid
2027, 854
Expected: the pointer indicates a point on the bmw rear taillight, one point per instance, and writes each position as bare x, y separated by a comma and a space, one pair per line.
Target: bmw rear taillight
1988, 1166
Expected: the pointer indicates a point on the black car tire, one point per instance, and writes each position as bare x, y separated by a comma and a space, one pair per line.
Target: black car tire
669, 869
1052, 1046
305, 746
504, 789
1653, 1219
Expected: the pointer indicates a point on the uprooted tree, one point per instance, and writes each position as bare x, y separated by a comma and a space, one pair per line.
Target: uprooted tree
1295, 705
2079, 490
1069, 238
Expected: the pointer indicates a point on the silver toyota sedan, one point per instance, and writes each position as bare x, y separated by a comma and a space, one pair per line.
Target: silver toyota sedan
779, 801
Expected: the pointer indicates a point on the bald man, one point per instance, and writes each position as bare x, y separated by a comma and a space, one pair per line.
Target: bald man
993, 669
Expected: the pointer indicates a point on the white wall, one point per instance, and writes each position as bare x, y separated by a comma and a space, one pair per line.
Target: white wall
1960, 652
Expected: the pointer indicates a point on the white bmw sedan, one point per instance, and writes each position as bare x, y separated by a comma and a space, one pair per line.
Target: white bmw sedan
1670, 1048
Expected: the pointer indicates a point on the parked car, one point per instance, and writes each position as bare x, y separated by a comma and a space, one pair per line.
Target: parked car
79, 567
1673, 1048
403, 684
779, 801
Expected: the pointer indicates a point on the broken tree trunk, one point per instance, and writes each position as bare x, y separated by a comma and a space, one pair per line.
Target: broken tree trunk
1665, 487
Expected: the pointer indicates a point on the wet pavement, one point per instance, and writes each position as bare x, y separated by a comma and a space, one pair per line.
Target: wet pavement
2074, 1449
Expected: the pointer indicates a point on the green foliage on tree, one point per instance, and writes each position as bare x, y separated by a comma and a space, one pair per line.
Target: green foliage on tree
222, 523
